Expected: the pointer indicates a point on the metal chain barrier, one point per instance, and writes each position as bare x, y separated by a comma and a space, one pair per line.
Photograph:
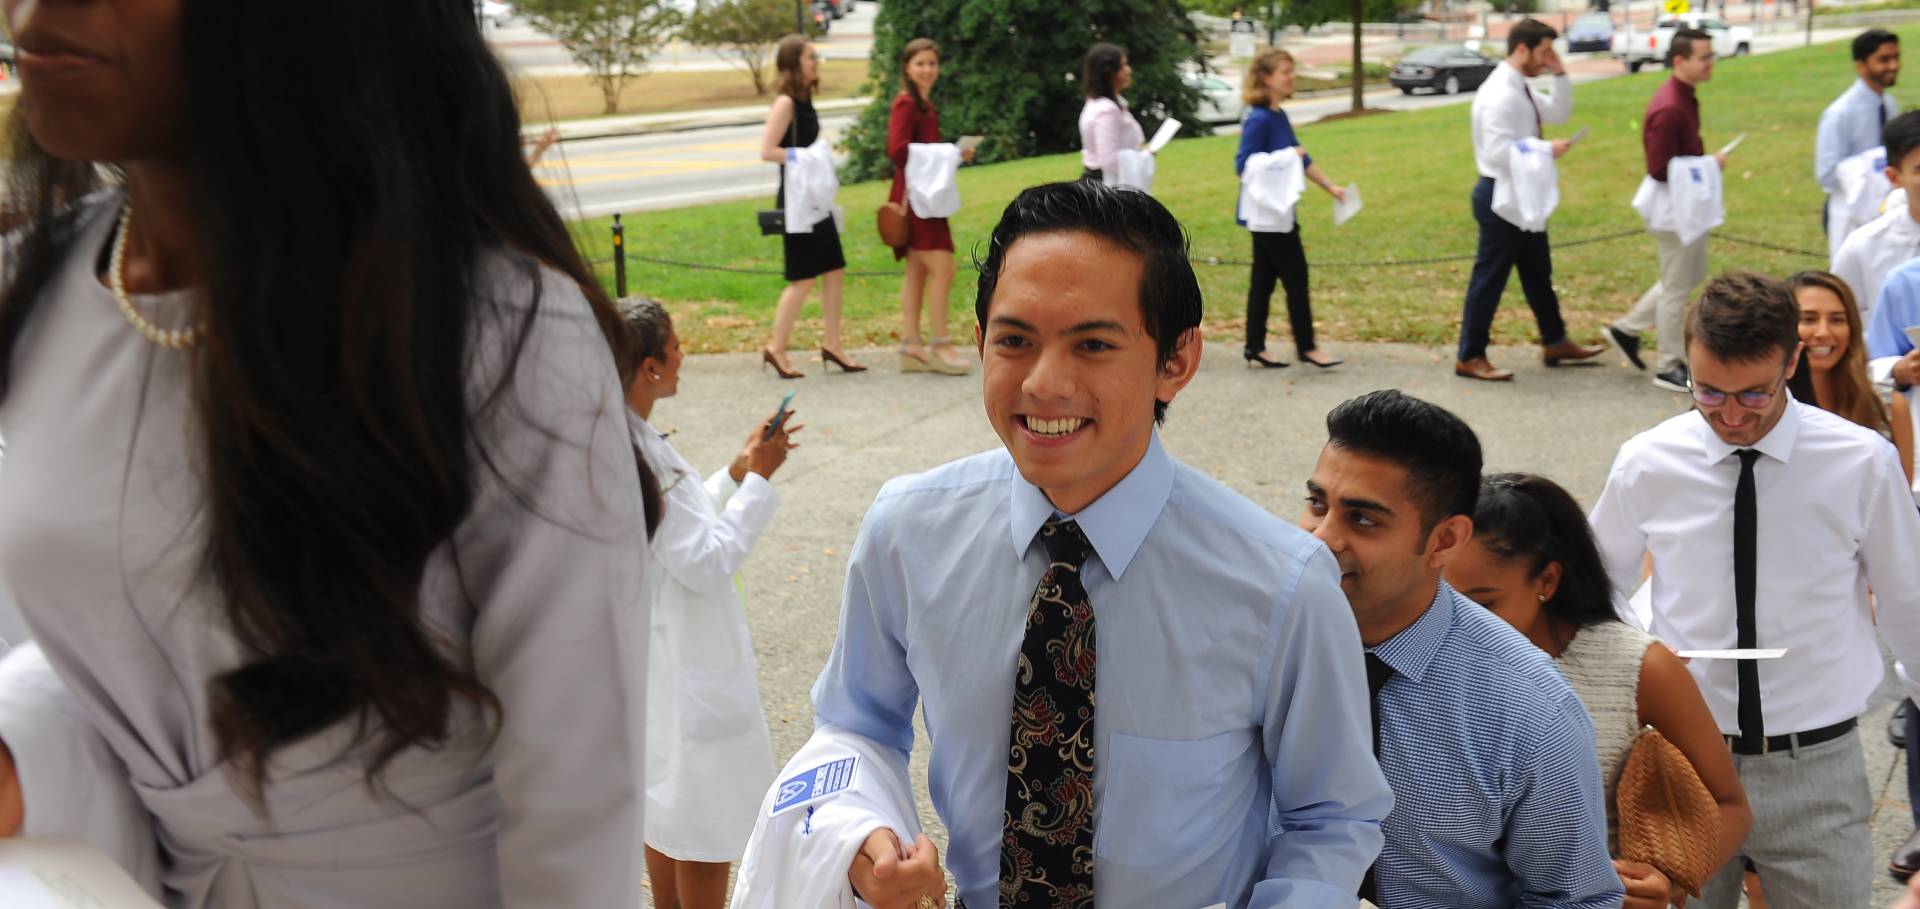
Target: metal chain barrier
1219, 261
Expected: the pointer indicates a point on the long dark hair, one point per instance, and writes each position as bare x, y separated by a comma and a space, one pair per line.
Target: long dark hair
1521, 516
786, 61
337, 222
1854, 396
914, 49
648, 326
1100, 69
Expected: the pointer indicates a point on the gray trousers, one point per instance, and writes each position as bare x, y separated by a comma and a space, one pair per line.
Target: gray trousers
1664, 306
1810, 840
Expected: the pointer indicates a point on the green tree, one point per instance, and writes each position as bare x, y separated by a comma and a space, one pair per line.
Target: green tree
746, 31
1309, 13
1010, 70
611, 38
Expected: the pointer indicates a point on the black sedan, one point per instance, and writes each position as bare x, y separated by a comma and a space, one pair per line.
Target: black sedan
1450, 69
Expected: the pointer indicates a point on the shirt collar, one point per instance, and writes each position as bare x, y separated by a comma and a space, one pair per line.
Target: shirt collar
1116, 523
1776, 444
1410, 652
1866, 94
1682, 89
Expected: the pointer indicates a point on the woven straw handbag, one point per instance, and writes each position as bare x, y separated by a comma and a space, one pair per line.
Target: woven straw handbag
1668, 819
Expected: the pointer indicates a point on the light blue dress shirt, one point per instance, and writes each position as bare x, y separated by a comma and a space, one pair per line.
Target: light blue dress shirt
1897, 307
1497, 795
1230, 690
1849, 126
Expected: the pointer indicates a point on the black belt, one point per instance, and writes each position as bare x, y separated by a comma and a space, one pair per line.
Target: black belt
1794, 740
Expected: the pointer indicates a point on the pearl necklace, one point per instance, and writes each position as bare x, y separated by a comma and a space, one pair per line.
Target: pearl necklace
170, 338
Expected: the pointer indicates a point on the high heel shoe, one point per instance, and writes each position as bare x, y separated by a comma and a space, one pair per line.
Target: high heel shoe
941, 364
913, 362
1331, 361
828, 356
767, 359
1256, 361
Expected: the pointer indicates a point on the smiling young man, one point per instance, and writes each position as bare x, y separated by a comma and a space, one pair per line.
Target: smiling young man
1767, 520
1225, 759
1497, 793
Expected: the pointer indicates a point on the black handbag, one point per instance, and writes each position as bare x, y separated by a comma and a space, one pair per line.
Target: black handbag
773, 221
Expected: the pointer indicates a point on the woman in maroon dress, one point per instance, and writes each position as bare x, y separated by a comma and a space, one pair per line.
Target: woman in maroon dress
929, 249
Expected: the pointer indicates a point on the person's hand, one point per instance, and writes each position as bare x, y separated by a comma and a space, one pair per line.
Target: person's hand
1906, 370
766, 452
887, 878
1912, 899
966, 155
1339, 193
1646, 887
13, 806
1560, 146
1720, 158
1300, 150
1550, 59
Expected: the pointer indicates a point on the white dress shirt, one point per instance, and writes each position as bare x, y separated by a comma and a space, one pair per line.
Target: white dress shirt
1849, 126
1834, 516
1503, 112
1872, 252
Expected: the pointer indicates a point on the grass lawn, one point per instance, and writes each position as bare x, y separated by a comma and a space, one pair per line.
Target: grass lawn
1415, 171
546, 98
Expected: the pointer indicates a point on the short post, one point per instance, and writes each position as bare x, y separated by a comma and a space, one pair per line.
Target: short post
619, 259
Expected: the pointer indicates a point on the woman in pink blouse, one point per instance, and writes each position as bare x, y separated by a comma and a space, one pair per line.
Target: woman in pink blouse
1106, 126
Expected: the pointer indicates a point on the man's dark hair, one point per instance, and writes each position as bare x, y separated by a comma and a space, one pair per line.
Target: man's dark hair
1901, 136
1743, 317
1869, 41
1529, 33
1439, 452
1681, 46
1131, 220
1100, 69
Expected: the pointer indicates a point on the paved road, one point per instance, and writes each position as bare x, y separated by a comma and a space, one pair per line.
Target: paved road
1257, 431
595, 177
527, 51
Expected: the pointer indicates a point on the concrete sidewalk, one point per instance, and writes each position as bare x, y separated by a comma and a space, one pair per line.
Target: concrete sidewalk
1258, 431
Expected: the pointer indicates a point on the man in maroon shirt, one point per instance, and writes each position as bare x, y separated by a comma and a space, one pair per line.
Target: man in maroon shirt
1672, 129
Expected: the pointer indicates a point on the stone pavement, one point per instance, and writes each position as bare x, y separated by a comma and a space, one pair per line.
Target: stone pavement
1258, 431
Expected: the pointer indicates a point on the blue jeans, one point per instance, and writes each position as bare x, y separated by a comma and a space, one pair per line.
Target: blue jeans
1504, 247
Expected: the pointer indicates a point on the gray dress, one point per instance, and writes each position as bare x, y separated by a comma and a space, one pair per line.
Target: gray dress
101, 526
1603, 666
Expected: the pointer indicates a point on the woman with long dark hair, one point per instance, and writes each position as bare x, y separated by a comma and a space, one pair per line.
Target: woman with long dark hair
816, 255
1533, 562
929, 249
1106, 126
319, 500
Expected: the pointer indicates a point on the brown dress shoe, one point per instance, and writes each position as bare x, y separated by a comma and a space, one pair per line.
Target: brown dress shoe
1479, 368
1567, 350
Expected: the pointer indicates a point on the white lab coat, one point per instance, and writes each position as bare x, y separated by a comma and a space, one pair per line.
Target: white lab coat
933, 170
1688, 202
1527, 195
1873, 251
799, 859
1860, 186
1132, 169
708, 752
1270, 188
811, 186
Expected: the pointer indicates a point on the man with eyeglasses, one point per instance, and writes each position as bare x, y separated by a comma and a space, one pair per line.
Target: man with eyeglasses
1767, 520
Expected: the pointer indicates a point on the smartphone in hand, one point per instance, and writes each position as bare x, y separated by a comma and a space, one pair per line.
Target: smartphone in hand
779, 415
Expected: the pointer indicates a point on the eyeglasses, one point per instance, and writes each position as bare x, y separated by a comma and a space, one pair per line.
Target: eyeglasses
1751, 400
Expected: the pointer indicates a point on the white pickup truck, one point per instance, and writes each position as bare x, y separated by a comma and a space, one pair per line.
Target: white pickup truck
1639, 48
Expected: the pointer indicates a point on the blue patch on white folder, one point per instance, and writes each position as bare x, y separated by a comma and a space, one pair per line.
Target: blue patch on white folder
822, 782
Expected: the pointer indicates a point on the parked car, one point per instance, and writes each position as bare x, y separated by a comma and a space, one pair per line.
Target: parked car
1591, 32
1219, 101
838, 9
1449, 68
1637, 49
495, 13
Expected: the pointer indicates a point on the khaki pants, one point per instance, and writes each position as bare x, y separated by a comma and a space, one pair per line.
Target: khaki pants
1664, 306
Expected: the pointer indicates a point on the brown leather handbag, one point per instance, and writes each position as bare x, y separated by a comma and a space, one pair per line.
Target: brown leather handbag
891, 219
1668, 819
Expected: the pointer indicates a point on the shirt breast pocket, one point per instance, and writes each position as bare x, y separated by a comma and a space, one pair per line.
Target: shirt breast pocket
1165, 800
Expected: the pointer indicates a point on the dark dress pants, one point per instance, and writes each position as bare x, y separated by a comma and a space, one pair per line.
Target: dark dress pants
1279, 256
1504, 247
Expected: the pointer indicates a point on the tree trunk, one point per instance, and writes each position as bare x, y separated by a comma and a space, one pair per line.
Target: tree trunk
1359, 72
609, 92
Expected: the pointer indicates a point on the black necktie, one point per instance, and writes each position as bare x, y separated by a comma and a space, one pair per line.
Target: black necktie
1046, 847
1377, 674
1746, 529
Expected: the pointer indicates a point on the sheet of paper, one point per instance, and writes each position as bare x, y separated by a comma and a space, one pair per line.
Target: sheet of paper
60, 874
1913, 337
1730, 146
1345, 209
968, 143
1163, 135
1576, 137
1750, 654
